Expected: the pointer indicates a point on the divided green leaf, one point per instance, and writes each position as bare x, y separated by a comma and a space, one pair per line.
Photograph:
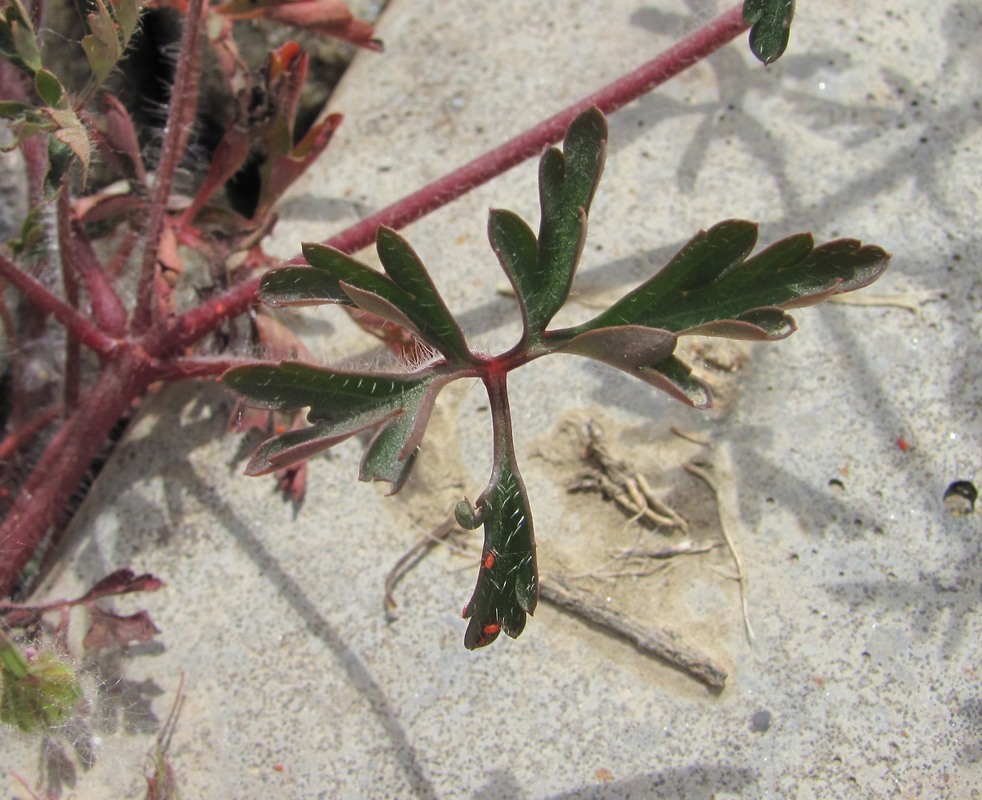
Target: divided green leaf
507, 587
405, 295
541, 270
341, 404
710, 287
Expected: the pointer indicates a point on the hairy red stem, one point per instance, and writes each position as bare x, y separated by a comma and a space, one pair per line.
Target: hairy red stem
39, 297
183, 106
63, 465
79, 258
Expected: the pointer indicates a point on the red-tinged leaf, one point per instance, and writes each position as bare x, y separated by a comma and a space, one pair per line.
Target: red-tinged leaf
295, 446
229, 157
120, 137
122, 581
278, 342
674, 377
292, 482
626, 347
107, 206
106, 628
711, 282
280, 171
329, 17
762, 324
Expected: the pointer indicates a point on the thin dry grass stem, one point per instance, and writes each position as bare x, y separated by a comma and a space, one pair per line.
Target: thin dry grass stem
729, 518
690, 436
912, 300
411, 557
162, 782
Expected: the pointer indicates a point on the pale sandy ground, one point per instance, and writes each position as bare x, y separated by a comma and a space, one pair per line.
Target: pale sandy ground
864, 677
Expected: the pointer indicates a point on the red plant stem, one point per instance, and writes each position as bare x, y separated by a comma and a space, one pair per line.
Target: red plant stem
79, 263
13, 443
64, 464
695, 47
39, 297
183, 106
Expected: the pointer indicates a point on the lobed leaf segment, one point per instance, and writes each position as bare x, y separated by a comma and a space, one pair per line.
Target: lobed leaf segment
713, 286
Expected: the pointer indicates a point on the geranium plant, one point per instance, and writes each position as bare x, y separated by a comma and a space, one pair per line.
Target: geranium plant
713, 286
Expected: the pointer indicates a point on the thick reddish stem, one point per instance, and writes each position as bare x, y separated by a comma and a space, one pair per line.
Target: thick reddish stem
192, 325
183, 106
39, 296
13, 443
63, 465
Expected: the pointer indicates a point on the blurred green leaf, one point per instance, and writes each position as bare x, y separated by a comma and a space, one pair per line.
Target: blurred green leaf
48, 86
771, 27
18, 44
10, 109
59, 160
102, 46
36, 694
127, 14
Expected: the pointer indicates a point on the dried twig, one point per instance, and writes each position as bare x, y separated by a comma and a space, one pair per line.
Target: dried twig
664, 643
623, 485
411, 557
690, 436
729, 518
686, 548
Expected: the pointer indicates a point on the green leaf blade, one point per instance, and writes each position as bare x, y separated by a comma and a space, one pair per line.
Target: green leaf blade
341, 405
771, 27
516, 247
507, 587
541, 269
422, 302
300, 286
711, 287
331, 394
701, 261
